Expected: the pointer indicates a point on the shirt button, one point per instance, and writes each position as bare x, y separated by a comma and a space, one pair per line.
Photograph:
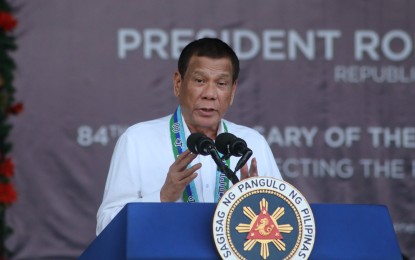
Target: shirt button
207, 186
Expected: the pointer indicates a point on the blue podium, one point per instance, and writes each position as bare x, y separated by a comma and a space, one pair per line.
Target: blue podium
184, 231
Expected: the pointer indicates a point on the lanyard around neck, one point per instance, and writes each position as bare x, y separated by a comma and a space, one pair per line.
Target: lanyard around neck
178, 140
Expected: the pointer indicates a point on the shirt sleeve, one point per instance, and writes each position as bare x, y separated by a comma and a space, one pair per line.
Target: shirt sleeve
273, 170
123, 182
270, 167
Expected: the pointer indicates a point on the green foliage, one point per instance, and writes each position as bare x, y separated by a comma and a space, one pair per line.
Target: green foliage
7, 90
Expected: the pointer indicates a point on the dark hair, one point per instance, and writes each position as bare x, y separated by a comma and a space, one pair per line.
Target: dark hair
208, 47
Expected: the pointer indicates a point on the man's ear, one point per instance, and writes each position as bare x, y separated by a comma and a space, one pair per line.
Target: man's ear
177, 82
233, 90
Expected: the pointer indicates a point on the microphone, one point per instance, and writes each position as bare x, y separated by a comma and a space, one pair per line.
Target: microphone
228, 144
199, 143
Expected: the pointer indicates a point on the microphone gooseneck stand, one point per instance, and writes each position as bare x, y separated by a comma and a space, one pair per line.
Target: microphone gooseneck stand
223, 167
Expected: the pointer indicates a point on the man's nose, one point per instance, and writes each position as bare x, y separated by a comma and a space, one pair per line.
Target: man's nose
210, 91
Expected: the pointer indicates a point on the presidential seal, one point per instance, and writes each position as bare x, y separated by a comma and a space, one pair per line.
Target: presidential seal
263, 218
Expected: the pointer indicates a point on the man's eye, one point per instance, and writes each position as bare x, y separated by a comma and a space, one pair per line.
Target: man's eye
199, 80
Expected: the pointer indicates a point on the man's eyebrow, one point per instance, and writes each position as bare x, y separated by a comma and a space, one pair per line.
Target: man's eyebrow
225, 74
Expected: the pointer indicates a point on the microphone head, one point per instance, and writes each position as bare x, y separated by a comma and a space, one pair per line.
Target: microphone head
223, 142
199, 143
238, 147
227, 143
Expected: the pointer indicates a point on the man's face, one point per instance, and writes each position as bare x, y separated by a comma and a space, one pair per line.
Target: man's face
205, 92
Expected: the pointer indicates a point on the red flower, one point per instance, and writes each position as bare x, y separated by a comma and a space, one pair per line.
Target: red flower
7, 193
7, 21
7, 168
16, 108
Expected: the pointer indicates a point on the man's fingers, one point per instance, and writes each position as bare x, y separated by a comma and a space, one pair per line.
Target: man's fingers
179, 176
253, 171
186, 173
244, 172
183, 160
183, 155
188, 179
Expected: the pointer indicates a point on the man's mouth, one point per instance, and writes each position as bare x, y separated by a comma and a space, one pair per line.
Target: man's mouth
207, 111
